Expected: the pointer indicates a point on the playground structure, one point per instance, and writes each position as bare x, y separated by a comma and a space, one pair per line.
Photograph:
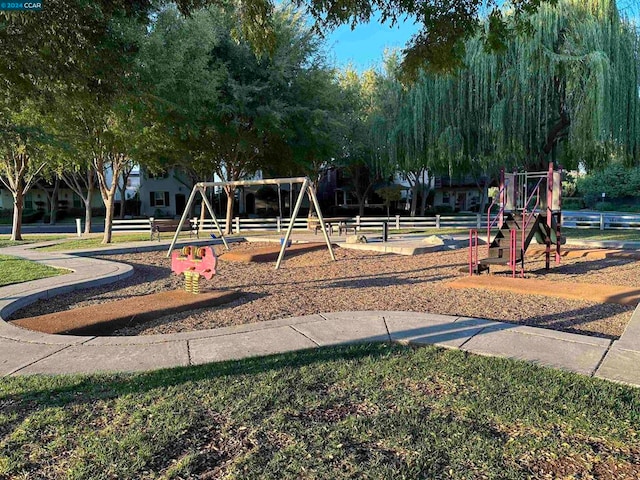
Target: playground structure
529, 207
194, 262
306, 188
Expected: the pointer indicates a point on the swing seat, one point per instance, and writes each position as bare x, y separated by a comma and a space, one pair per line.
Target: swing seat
288, 243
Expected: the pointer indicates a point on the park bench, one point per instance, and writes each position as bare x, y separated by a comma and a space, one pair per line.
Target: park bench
158, 225
343, 223
346, 226
313, 224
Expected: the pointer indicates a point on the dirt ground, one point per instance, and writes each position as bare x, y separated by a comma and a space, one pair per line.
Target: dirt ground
311, 283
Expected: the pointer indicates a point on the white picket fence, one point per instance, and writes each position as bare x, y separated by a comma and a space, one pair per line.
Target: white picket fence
131, 225
277, 224
602, 221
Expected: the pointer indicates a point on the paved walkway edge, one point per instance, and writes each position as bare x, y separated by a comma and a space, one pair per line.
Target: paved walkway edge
28, 352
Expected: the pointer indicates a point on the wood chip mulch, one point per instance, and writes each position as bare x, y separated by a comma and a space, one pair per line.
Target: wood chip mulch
311, 283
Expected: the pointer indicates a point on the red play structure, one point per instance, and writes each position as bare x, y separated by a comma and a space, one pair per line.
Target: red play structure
194, 262
530, 207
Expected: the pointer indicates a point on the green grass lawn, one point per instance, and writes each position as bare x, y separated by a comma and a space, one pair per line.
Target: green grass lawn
366, 411
29, 238
435, 231
578, 233
17, 270
593, 234
95, 241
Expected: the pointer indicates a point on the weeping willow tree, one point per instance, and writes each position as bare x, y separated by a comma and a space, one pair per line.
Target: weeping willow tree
568, 92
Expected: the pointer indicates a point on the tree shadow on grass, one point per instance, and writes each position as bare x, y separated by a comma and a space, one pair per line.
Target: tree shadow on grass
79, 390
203, 430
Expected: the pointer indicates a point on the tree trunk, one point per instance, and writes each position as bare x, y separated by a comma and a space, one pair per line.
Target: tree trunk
361, 201
114, 161
122, 201
423, 201
483, 200
88, 214
108, 218
53, 202
18, 205
414, 198
88, 209
312, 207
229, 215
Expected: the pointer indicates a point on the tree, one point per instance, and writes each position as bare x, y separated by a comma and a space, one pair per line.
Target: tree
390, 193
50, 186
314, 133
407, 151
615, 180
121, 132
567, 93
104, 136
81, 178
242, 111
70, 50
359, 158
446, 24
20, 156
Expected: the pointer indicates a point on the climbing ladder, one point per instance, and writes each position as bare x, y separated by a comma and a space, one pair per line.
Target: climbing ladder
530, 208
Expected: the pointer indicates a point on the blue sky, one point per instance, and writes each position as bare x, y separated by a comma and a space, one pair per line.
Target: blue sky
364, 46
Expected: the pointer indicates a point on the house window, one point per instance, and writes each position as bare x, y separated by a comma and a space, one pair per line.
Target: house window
445, 198
28, 202
159, 199
158, 175
77, 202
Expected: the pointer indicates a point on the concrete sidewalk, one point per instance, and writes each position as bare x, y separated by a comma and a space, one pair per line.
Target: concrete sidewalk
28, 352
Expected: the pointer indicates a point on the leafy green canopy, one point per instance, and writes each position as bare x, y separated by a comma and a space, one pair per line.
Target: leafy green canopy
568, 92
232, 111
616, 181
446, 24
70, 45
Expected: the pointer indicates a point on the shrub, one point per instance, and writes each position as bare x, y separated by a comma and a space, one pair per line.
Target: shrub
28, 216
605, 207
615, 180
573, 203
443, 209
60, 214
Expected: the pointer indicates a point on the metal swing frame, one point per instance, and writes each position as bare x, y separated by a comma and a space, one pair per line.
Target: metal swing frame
307, 188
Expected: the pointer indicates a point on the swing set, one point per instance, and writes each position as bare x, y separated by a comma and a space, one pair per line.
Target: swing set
306, 188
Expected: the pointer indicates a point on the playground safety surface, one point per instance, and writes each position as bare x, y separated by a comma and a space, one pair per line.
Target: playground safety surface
395, 281
359, 280
576, 291
102, 319
269, 253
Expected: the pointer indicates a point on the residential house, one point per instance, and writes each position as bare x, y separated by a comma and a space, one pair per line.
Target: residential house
460, 193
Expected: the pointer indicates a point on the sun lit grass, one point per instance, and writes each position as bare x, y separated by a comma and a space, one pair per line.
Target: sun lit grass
95, 241
29, 238
17, 270
593, 234
365, 411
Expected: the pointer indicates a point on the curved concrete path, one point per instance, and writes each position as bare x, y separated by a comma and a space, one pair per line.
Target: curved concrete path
27, 352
